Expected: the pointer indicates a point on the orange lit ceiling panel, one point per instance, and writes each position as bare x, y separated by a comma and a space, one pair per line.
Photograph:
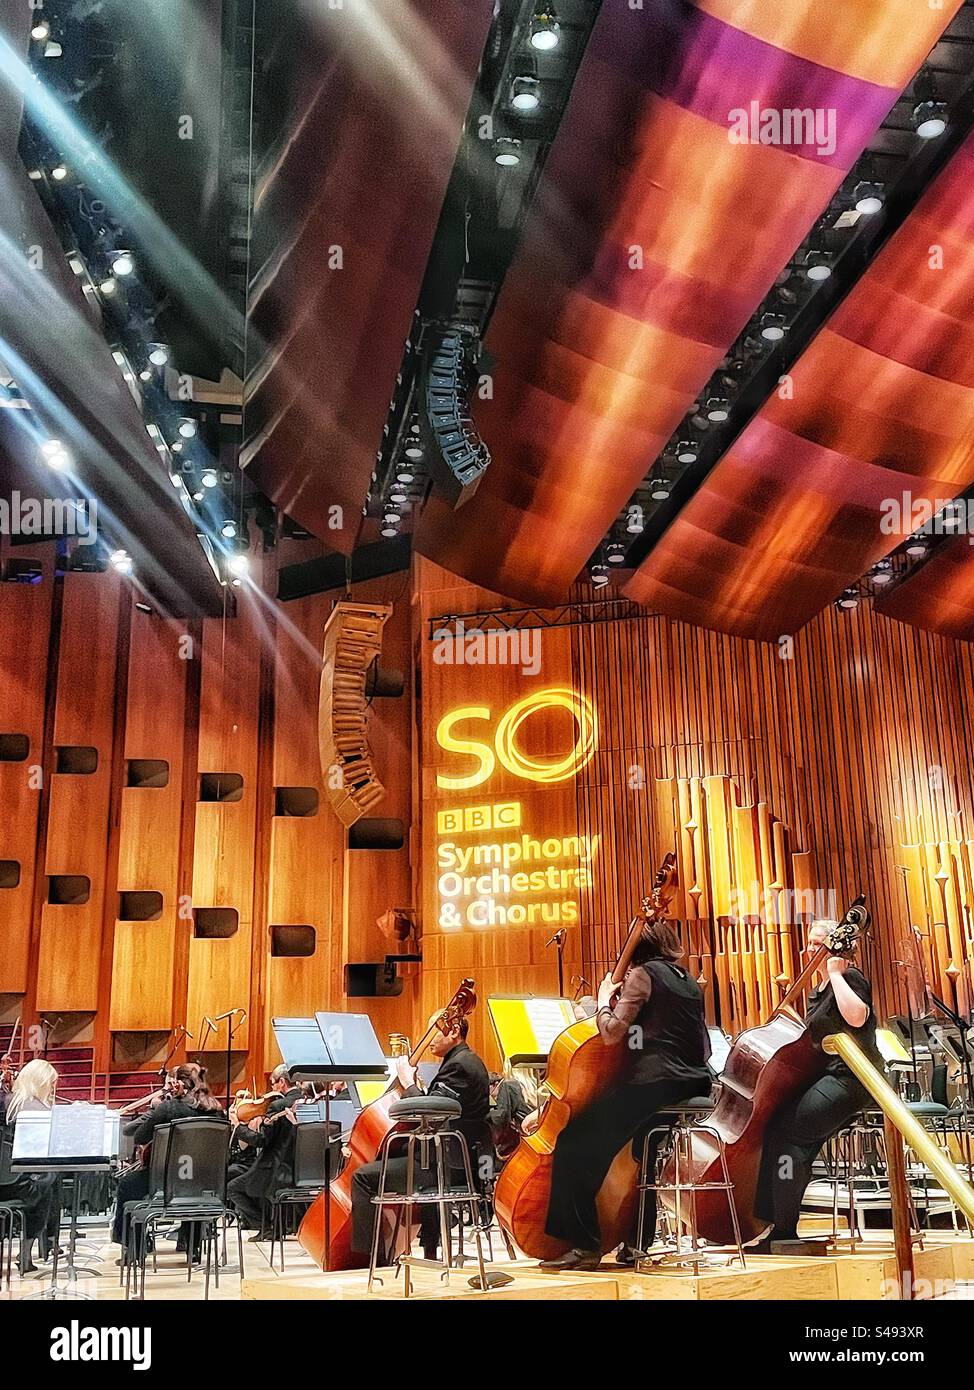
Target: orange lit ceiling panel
878, 417
657, 230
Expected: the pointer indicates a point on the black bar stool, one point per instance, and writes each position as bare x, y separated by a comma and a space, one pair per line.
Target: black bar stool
683, 1124
436, 1145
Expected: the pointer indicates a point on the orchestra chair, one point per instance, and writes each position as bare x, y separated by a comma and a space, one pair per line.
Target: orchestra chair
194, 1190
137, 1211
11, 1210
439, 1150
679, 1127
312, 1168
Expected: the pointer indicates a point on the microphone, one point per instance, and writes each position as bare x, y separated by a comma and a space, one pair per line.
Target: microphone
558, 938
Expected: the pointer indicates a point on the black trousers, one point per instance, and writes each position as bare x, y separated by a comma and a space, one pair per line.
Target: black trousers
365, 1186
585, 1152
132, 1187
249, 1198
792, 1142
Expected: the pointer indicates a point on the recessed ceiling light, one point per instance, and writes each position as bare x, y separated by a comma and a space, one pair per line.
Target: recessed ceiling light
545, 33
187, 428
108, 285
228, 529
159, 355
507, 153
525, 94
209, 478
930, 119
41, 31
123, 263
59, 172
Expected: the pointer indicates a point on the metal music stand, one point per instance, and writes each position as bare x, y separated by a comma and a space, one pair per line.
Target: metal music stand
79, 1138
330, 1047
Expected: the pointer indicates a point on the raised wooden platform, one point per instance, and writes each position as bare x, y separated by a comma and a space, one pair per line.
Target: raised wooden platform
869, 1273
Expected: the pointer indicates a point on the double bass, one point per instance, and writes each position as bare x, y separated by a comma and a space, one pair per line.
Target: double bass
580, 1069
326, 1232
766, 1067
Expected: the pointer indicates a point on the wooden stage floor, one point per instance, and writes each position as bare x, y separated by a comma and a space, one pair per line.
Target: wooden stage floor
945, 1270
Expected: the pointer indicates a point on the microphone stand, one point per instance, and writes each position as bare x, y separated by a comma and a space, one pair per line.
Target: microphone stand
558, 940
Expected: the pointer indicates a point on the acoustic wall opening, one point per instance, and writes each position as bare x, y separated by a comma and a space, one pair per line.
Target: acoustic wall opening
68, 890
147, 772
295, 801
14, 748
9, 873
76, 761
214, 923
383, 682
292, 941
139, 905
377, 832
221, 786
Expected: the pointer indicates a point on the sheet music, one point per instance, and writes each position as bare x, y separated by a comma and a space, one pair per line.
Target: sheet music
78, 1131
548, 1017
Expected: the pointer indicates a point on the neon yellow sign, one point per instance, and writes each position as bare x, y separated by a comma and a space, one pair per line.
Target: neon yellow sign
505, 746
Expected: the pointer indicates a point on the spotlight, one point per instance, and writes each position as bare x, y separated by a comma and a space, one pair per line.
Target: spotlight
718, 409
145, 374
121, 561
818, 265
398, 498
507, 153
175, 479
525, 94
659, 489
686, 451
177, 446
209, 478
847, 600
159, 355
60, 461
615, 553
41, 31
916, 546
229, 530
238, 564
414, 452
198, 495
392, 518
187, 428
599, 574
108, 285
772, 327
404, 477
388, 531
545, 33
951, 519
634, 525
869, 198
930, 119
51, 446
123, 263
59, 172
882, 572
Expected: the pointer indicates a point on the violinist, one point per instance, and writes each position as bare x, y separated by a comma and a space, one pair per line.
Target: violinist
659, 1018
272, 1135
462, 1077
840, 1003
185, 1094
32, 1089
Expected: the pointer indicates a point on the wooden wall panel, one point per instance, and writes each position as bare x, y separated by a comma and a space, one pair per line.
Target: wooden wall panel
25, 625
223, 856
306, 852
77, 832
151, 818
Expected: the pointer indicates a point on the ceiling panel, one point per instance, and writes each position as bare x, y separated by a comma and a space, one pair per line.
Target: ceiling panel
375, 99
653, 239
880, 404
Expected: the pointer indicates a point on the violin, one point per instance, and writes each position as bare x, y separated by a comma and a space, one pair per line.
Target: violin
364, 1142
581, 1067
248, 1110
766, 1067
8, 1072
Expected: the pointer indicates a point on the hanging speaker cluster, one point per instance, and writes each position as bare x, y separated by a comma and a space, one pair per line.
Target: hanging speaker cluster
458, 457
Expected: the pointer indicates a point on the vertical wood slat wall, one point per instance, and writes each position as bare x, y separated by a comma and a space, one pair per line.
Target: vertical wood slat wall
124, 982
855, 737
25, 626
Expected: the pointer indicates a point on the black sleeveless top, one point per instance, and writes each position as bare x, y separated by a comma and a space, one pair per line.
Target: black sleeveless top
668, 1038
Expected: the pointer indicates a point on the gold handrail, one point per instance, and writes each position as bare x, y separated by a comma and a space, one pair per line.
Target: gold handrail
927, 1151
